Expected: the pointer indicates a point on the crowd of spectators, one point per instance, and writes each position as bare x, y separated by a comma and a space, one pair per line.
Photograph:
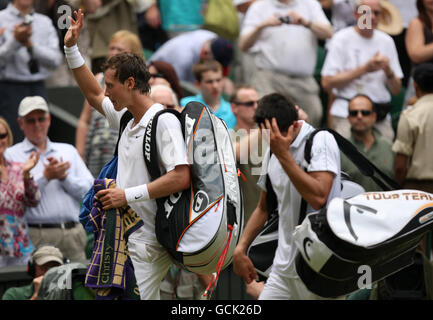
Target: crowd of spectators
330, 57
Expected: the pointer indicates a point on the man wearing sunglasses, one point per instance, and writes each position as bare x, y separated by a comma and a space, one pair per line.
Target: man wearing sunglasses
61, 176
368, 141
361, 59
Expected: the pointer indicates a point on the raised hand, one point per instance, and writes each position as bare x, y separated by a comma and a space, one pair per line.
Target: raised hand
71, 37
30, 163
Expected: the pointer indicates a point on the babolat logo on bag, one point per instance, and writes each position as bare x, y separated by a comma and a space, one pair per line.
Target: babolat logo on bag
200, 226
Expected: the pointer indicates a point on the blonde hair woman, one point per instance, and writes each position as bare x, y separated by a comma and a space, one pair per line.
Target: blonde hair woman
93, 139
17, 191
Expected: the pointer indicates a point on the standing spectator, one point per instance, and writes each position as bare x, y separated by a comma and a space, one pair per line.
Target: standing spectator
317, 184
94, 140
361, 60
178, 16
43, 259
62, 178
18, 190
209, 79
243, 64
183, 51
368, 141
29, 51
419, 40
109, 17
413, 161
408, 11
286, 53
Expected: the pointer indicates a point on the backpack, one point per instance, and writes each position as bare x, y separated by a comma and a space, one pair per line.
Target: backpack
262, 249
358, 241
200, 226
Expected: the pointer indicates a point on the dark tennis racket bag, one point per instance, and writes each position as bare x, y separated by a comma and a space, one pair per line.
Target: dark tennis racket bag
200, 226
356, 242
262, 249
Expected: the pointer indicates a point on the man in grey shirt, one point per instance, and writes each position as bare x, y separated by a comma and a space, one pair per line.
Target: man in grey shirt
29, 51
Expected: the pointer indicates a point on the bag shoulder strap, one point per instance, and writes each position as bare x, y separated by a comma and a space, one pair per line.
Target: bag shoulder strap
126, 117
149, 144
364, 165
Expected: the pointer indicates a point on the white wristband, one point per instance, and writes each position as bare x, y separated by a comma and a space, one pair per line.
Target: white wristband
73, 57
138, 193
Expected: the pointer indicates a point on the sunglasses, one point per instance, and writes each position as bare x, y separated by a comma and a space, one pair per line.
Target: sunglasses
246, 103
365, 113
3, 135
156, 75
34, 120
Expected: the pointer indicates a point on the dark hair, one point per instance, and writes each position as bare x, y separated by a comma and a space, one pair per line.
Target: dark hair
276, 105
203, 66
129, 65
422, 14
423, 77
169, 74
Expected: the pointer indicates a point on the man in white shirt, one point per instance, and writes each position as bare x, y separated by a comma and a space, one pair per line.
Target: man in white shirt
61, 176
286, 53
127, 88
361, 60
317, 184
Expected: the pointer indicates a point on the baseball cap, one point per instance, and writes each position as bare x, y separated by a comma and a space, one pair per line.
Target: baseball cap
29, 104
47, 254
222, 50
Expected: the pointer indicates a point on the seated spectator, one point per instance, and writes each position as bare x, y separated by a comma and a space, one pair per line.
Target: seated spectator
164, 95
368, 141
247, 142
361, 60
43, 259
29, 52
413, 161
183, 51
18, 190
163, 73
94, 140
62, 178
290, 68
208, 75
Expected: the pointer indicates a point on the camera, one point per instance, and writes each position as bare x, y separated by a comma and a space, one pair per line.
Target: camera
28, 19
285, 19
